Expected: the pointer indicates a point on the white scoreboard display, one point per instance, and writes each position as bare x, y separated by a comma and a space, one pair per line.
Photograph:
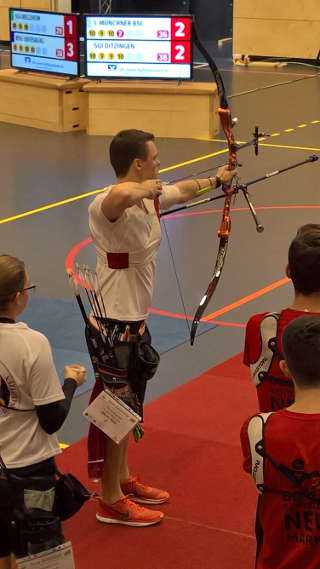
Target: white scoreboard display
44, 41
146, 47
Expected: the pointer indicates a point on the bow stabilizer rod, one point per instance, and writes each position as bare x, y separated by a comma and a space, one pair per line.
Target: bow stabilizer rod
312, 158
241, 187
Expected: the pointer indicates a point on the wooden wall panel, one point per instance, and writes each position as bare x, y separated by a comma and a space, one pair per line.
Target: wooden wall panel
61, 6
10, 3
4, 23
278, 38
282, 10
36, 5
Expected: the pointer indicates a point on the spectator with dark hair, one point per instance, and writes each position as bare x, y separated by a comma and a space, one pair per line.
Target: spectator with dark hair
263, 347
282, 453
33, 405
124, 223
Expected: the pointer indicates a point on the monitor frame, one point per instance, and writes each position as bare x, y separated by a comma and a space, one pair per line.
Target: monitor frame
140, 15
26, 70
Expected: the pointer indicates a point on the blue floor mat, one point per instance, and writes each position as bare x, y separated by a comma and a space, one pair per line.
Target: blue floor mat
61, 321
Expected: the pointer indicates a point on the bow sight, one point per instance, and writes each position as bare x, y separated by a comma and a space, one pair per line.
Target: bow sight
253, 142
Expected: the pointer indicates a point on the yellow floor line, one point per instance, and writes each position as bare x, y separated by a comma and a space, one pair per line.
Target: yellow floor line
62, 445
91, 193
49, 206
290, 147
303, 125
271, 145
194, 160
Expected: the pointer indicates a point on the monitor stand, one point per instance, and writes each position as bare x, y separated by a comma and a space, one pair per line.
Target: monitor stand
169, 109
42, 101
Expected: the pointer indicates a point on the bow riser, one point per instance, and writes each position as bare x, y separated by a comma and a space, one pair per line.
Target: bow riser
227, 124
225, 226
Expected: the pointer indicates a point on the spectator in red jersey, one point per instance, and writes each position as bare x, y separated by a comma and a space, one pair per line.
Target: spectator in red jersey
263, 348
282, 453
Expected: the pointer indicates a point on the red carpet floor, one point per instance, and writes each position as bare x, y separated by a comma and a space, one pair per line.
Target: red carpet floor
191, 447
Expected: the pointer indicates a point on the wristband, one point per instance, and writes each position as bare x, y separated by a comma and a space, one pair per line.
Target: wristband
198, 184
218, 182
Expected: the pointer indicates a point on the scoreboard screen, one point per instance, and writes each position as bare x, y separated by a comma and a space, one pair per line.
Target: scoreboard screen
146, 47
44, 41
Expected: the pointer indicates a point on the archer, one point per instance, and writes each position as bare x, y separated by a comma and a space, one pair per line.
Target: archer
126, 233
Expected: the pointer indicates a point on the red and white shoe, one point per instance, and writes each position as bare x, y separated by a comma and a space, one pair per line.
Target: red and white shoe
143, 494
127, 513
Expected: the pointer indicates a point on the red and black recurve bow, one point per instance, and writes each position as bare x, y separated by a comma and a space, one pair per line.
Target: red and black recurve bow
229, 190
227, 124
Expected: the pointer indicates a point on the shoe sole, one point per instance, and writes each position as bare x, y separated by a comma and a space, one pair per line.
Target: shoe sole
148, 501
123, 522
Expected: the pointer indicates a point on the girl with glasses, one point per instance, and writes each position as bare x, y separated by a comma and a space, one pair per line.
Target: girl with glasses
33, 405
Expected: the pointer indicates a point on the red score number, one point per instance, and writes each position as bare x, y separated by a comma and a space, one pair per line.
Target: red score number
181, 29
70, 49
180, 52
70, 26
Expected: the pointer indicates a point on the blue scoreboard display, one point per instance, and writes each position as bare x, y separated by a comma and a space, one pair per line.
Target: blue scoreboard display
44, 41
157, 47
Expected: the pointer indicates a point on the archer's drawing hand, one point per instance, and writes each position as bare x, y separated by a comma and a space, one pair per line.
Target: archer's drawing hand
153, 188
76, 372
226, 175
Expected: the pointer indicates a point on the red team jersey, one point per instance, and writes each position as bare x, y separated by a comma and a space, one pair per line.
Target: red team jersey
262, 353
288, 513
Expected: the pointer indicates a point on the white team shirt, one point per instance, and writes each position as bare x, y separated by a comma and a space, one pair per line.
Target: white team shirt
127, 293
27, 378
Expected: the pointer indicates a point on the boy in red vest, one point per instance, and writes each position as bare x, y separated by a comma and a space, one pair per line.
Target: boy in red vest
262, 351
282, 453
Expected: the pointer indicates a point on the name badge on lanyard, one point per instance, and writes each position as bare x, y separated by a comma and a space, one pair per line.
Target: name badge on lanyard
60, 557
112, 416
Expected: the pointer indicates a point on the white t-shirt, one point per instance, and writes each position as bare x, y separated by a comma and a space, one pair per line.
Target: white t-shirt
27, 378
127, 293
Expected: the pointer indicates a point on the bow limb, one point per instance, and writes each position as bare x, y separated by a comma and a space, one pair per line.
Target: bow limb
223, 245
224, 233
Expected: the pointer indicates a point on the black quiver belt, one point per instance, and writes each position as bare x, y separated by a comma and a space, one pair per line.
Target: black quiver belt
125, 367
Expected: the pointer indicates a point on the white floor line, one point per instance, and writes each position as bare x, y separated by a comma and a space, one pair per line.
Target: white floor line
197, 65
223, 530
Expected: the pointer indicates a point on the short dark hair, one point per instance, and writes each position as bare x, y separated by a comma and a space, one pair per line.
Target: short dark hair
301, 348
125, 147
12, 278
304, 259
